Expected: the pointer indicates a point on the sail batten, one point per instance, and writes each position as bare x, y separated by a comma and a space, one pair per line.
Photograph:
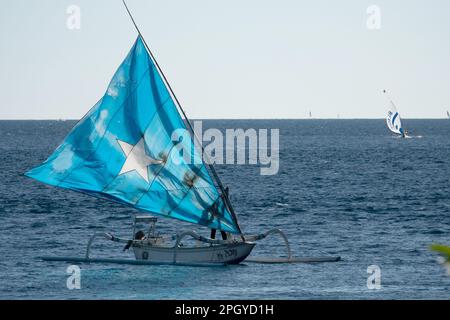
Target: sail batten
124, 150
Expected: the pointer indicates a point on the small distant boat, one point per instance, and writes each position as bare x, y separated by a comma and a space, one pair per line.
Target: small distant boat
448, 114
393, 120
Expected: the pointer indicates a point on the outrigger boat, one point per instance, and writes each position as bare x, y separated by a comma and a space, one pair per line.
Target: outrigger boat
393, 120
133, 147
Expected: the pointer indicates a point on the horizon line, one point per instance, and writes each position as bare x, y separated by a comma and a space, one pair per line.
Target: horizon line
262, 119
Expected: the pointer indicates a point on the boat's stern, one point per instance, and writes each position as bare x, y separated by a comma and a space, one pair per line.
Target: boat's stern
242, 251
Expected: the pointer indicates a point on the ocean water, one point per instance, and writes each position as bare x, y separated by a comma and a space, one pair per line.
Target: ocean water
345, 187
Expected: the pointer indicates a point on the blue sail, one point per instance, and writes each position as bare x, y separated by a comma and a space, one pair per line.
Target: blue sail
133, 147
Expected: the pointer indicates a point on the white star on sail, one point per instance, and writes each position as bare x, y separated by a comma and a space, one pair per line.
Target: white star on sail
137, 159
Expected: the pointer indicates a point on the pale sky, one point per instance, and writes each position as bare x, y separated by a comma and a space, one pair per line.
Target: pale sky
233, 58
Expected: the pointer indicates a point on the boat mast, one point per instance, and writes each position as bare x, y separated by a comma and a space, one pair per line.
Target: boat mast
224, 192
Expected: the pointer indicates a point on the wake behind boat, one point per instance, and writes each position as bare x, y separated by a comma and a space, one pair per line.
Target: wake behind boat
124, 150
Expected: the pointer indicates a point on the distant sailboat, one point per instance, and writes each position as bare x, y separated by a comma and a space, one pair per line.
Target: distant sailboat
448, 115
310, 114
393, 120
123, 151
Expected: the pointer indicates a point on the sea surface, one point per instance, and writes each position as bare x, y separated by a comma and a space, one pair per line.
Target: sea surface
345, 187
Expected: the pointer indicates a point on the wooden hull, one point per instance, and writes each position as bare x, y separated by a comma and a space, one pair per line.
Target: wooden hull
232, 253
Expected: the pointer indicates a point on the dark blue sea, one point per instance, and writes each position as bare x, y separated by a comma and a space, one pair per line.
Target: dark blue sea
345, 187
